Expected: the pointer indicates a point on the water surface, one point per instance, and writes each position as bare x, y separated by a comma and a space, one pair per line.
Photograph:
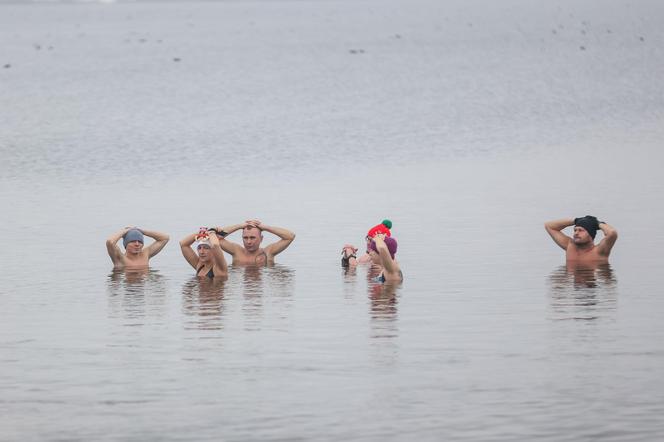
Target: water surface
468, 124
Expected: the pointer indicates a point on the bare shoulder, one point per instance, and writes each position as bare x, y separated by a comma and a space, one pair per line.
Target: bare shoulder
571, 251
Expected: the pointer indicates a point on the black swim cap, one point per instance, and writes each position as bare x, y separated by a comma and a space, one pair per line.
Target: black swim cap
589, 223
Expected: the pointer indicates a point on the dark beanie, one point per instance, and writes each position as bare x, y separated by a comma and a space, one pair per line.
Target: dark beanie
589, 223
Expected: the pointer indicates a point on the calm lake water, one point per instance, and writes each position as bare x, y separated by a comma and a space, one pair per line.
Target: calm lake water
467, 123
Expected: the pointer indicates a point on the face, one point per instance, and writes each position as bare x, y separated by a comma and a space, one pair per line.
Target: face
375, 257
251, 238
134, 247
581, 236
203, 252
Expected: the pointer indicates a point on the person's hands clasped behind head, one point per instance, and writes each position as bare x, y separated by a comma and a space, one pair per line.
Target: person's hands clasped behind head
208, 260
251, 251
133, 240
581, 246
253, 223
135, 254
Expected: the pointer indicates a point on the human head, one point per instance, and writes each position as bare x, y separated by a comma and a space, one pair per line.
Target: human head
131, 236
251, 238
588, 223
203, 248
384, 228
391, 244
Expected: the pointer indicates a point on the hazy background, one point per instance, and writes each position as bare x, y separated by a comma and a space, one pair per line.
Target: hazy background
468, 124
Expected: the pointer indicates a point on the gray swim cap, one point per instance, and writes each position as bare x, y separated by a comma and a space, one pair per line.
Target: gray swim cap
132, 235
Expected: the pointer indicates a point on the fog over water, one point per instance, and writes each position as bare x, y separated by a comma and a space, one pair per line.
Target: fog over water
467, 123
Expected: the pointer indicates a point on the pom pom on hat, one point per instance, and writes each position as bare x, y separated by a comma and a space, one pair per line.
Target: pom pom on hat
384, 228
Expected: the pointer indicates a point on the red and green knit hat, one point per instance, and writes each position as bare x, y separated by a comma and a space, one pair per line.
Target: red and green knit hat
384, 228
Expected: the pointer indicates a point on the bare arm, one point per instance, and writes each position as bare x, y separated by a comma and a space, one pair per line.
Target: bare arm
187, 251
229, 246
364, 259
610, 236
554, 229
286, 236
385, 259
217, 253
160, 240
112, 246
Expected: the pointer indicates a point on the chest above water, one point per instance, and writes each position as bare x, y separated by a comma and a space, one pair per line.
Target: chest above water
590, 254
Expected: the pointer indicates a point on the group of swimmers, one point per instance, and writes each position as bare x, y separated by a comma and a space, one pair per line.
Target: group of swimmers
208, 259
209, 262
204, 249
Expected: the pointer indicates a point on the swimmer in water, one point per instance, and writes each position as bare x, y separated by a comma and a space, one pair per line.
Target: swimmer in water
581, 247
250, 252
382, 250
349, 252
135, 256
210, 261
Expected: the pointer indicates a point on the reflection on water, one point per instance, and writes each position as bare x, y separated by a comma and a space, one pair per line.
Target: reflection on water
383, 303
350, 281
585, 292
280, 279
252, 291
206, 302
202, 299
135, 294
453, 354
383, 300
260, 285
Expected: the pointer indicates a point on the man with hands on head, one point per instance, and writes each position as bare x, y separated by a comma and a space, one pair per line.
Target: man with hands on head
250, 252
135, 256
581, 246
